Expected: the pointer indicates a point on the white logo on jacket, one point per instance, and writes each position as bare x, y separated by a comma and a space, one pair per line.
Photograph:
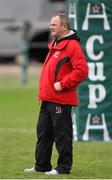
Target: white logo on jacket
56, 54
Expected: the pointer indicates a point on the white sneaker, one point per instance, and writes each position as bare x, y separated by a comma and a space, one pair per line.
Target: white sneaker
31, 170
52, 172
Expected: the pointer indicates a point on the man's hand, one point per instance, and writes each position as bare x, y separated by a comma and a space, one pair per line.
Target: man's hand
57, 86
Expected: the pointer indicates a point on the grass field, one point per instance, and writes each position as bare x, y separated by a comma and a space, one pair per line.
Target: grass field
18, 115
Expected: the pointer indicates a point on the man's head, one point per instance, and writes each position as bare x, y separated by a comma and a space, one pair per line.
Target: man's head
59, 25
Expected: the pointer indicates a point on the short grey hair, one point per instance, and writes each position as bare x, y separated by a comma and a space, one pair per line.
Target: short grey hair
63, 17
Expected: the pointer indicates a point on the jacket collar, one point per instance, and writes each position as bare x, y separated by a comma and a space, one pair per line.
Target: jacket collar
59, 44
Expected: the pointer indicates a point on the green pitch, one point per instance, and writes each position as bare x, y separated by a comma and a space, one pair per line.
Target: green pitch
18, 114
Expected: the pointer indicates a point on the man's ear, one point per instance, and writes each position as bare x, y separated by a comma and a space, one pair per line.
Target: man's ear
65, 26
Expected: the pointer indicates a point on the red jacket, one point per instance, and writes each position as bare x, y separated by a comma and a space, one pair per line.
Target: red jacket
66, 63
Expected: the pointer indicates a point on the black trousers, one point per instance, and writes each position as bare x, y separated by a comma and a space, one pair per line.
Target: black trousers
54, 125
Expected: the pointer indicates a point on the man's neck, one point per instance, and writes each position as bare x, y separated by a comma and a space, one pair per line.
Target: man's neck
64, 34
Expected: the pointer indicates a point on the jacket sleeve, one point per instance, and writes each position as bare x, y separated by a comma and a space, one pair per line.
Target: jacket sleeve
79, 68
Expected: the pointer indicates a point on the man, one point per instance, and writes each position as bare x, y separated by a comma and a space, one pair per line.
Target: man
64, 68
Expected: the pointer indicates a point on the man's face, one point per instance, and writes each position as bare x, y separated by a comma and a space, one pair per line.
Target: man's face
56, 27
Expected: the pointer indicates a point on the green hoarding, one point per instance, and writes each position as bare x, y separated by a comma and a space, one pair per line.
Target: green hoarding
93, 21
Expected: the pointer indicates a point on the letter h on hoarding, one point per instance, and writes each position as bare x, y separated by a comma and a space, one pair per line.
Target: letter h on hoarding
97, 16
85, 136
72, 14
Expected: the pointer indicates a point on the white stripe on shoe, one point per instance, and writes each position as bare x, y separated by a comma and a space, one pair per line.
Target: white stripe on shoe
30, 170
52, 172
